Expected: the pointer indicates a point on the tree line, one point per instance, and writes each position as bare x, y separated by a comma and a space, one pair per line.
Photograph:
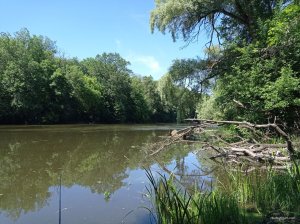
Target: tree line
250, 71
37, 86
252, 66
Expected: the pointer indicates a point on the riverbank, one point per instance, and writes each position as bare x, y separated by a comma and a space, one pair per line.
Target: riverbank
257, 197
260, 181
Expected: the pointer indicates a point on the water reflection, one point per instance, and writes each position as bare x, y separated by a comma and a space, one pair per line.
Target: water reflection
95, 159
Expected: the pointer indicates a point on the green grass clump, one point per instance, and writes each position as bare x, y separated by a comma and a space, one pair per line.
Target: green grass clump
267, 191
174, 205
246, 198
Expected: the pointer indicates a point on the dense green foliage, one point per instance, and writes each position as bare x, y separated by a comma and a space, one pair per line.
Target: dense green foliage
238, 19
254, 72
37, 86
177, 98
265, 77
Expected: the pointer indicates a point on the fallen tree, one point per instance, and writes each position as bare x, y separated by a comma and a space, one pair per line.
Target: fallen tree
255, 149
251, 126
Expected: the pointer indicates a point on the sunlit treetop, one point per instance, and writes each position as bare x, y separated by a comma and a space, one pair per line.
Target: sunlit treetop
225, 18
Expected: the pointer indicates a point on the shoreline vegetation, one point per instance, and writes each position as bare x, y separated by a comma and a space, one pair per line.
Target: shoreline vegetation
255, 197
262, 176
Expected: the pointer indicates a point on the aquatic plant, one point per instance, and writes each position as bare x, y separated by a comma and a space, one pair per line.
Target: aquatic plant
244, 199
107, 195
175, 205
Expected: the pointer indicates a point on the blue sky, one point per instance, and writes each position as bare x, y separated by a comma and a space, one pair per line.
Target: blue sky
86, 28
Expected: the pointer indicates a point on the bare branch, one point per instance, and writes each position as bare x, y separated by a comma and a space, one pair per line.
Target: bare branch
249, 125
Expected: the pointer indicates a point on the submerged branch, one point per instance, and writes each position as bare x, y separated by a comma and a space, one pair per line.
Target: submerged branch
238, 151
252, 126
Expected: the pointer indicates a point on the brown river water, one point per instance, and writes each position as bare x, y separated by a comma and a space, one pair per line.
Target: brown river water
101, 167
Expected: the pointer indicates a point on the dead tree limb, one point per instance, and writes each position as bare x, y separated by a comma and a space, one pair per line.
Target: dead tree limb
238, 152
249, 125
246, 151
174, 138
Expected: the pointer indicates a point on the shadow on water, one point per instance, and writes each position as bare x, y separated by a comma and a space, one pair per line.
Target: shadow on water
101, 168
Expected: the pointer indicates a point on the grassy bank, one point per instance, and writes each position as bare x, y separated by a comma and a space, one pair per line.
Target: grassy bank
245, 198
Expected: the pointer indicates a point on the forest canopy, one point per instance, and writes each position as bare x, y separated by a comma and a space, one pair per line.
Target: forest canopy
37, 86
250, 71
252, 64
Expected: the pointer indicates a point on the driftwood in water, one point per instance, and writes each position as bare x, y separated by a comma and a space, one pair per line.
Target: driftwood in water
175, 136
251, 126
243, 150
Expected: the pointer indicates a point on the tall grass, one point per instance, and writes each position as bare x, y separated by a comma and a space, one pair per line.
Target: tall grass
174, 205
259, 192
267, 191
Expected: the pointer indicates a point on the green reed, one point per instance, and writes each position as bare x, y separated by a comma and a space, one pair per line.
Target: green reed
267, 191
244, 197
174, 205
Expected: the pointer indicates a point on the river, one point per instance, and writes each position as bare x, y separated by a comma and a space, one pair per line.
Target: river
101, 167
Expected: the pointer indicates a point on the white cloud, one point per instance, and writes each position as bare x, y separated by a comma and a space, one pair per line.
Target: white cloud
148, 61
142, 64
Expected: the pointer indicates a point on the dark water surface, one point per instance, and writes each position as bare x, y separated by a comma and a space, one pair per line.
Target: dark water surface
101, 167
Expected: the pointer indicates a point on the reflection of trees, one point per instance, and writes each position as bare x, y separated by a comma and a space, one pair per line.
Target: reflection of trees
21, 189
32, 160
191, 176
